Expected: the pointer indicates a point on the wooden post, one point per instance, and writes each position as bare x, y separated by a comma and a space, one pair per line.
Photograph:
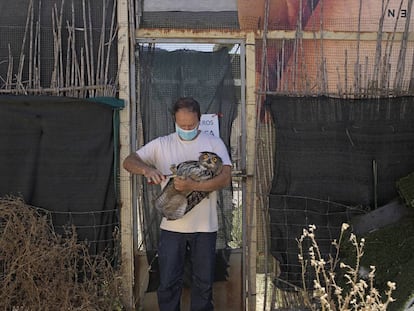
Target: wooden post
127, 234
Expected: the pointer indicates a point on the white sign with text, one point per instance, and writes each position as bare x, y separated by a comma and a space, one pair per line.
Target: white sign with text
209, 124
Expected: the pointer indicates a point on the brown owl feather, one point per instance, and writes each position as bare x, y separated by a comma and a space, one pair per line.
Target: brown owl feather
175, 204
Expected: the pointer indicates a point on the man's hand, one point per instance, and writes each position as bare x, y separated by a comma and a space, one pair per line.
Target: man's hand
154, 176
220, 181
184, 184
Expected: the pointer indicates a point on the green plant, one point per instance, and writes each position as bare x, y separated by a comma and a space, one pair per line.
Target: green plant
338, 286
237, 227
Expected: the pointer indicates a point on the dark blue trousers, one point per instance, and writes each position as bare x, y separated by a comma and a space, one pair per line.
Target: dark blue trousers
172, 249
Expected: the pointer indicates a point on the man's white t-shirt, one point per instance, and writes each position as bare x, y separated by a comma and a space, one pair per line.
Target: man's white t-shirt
164, 151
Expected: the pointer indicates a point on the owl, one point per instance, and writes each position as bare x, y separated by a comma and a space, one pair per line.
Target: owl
175, 204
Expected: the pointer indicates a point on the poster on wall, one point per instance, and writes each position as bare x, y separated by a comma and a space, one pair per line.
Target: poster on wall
339, 15
350, 48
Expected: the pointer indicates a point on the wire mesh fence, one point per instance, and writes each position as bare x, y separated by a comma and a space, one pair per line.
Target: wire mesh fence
91, 227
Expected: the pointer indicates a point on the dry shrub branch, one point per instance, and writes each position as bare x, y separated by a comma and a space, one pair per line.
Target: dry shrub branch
340, 292
41, 270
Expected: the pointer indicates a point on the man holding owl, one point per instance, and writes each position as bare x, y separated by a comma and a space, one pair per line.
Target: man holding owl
196, 231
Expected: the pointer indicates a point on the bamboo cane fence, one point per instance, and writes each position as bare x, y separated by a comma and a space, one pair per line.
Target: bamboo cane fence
82, 64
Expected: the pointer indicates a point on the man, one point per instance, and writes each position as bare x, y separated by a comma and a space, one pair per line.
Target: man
196, 231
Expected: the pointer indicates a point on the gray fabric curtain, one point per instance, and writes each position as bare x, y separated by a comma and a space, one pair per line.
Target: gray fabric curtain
164, 77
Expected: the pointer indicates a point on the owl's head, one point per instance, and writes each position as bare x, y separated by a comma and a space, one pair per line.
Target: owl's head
211, 161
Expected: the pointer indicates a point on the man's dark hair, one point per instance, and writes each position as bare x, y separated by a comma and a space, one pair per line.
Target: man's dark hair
188, 103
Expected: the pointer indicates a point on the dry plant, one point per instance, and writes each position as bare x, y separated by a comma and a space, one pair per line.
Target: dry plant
41, 270
328, 293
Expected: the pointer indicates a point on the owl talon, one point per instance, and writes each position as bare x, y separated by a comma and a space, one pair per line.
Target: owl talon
173, 169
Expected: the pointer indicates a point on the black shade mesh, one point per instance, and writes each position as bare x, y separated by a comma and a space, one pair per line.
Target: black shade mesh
334, 159
58, 154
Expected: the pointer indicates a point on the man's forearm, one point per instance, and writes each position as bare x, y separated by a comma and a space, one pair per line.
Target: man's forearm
219, 182
135, 165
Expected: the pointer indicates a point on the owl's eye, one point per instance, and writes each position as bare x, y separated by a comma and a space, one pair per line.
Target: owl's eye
205, 157
214, 159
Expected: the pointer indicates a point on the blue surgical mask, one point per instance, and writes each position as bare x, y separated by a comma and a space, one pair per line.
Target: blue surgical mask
186, 134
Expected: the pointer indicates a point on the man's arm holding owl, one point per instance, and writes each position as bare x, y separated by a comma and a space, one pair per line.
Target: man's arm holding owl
135, 165
220, 181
